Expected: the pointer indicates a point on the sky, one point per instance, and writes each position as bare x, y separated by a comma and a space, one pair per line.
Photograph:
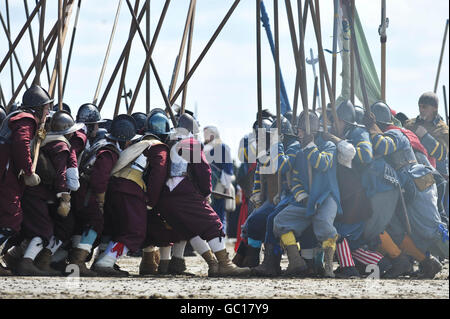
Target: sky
223, 89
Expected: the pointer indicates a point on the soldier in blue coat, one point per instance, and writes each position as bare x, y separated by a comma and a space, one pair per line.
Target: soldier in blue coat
316, 198
429, 234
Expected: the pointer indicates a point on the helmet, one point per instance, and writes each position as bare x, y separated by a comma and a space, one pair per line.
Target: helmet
14, 107
2, 114
189, 123
62, 123
106, 124
101, 133
382, 112
266, 123
140, 118
158, 123
35, 96
286, 127
123, 128
65, 108
359, 114
346, 112
289, 116
89, 114
314, 123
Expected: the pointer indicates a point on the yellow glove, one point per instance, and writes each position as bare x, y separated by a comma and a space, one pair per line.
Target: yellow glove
41, 133
64, 204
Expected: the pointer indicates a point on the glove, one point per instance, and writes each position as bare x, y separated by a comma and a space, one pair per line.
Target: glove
307, 141
276, 199
370, 121
72, 181
209, 199
330, 137
41, 133
32, 180
100, 201
256, 199
302, 198
64, 204
421, 131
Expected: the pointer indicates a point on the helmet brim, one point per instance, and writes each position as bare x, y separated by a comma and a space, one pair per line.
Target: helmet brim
72, 129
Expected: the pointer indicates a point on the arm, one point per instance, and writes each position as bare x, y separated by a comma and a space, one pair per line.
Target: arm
363, 146
321, 160
384, 144
23, 132
158, 158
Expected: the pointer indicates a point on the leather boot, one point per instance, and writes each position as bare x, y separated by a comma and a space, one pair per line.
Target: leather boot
251, 257
11, 261
149, 264
4, 271
430, 266
241, 252
400, 266
176, 266
270, 265
213, 264
78, 257
328, 261
227, 268
297, 265
109, 271
43, 260
26, 267
163, 268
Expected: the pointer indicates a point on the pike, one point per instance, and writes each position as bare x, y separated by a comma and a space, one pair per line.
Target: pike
440, 58
258, 67
445, 104
313, 61
382, 32
188, 59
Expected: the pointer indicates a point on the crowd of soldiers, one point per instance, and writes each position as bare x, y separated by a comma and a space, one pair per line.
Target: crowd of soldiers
362, 189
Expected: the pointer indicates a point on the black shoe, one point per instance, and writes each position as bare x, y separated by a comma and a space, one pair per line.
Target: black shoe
189, 251
347, 273
401, 266
429, 267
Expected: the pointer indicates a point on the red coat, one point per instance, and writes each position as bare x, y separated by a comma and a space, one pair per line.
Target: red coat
23, 128
78, 144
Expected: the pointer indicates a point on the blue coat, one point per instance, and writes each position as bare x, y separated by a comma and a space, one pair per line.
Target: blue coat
324, 181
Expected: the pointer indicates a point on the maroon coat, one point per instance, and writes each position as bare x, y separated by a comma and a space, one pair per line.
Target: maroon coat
78, 144
185, 208
126, 202
37, 217
23, 128
85, 207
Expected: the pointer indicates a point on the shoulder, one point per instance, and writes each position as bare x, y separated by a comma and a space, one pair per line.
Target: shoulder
22, 117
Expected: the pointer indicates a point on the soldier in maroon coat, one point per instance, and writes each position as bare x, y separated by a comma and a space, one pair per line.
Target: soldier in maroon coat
96, 164
184, 201
16, 134
48, 203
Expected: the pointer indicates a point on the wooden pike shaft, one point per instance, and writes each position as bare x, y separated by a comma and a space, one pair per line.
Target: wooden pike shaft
277, 79
158, 79
37, 78
147, 74
14, 53
314, 94
149, 53
50, 40
205, 50
182, 45
352, 57
51, 89
7, 31
59, 53
19, 36
188, 60
445, 104
258, 62
440, 58
125, 62
72, 40
108, 50
119, 62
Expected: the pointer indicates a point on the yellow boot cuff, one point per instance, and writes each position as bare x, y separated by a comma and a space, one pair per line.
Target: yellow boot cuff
330, 242
288, 239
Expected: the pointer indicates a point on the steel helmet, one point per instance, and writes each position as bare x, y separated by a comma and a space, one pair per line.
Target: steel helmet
88, 113
35, 96
313, 122
62, 123
158, 123
286, 127
359, 114
382, 112
65, 108
2, 114
123, 128
346, 112
189, 123
140, 118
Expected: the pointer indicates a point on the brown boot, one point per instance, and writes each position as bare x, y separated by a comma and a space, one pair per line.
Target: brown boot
177, 266
227, 268
43, 260
212, 262
26, 267
149, 263
4, 271
12, 261
77, 257
109, 271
